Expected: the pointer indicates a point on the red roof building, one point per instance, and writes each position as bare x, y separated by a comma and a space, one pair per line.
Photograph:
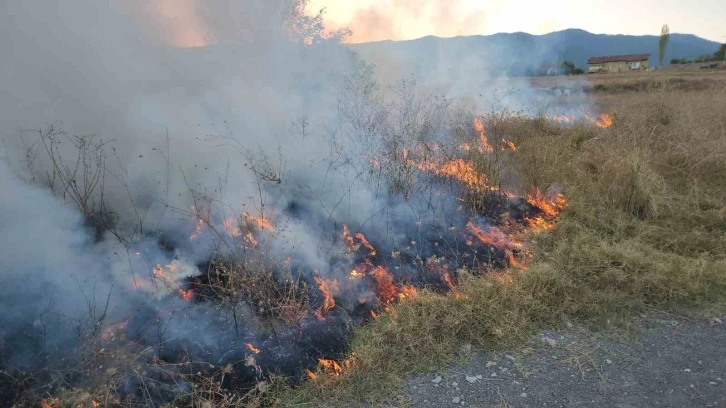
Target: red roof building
618, 63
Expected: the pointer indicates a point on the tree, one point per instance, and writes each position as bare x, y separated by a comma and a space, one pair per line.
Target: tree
310, 29
720, 55
268, 21
568, 67
665, 34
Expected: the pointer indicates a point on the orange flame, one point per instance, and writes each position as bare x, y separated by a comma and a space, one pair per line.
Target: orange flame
479, 128
365, 243
605, 121
434, 265
350, 241
246, 227
464, 171
158, 272
485, 143
562, 118
231, 227
347, 238
187, 295
539, 223
328, 301
198, 230
508, 144
425, 165
330, 366
252, 348
448, 278
550, 206
512, 260
407, 292
387, 290
260, 222
493, 237
250, 239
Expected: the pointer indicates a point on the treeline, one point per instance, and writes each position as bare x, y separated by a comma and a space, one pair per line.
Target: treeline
715, 57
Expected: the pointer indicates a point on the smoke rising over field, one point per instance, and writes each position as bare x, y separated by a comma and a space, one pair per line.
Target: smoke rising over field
90, 66
46, 254
167, 117
142, 182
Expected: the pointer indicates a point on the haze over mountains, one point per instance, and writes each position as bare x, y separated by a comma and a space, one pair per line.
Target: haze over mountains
521, 53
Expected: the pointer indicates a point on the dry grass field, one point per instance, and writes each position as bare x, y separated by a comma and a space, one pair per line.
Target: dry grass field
672, 79
198, 215
644, 229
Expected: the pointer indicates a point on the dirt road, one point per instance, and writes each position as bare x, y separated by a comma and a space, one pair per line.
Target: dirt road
671, 362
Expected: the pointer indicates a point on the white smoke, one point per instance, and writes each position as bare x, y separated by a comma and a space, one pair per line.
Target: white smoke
49, 266
175, 120
169, 112
253, 122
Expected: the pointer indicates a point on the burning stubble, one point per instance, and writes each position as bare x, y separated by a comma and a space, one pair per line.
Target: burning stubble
256, 203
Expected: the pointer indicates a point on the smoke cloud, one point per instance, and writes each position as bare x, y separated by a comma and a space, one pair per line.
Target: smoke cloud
88, 66
408, 19
175, 120
51, 271
251, 123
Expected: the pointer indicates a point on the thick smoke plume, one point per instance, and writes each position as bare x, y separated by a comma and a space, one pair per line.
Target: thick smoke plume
130, 166
166, 137
167, 128
49, 266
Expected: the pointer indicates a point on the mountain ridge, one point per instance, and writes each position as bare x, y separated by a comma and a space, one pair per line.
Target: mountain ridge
521, 53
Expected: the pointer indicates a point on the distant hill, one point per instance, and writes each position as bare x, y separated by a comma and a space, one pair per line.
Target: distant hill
520, 53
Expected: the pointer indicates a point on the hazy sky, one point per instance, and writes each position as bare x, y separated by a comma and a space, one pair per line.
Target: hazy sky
373, 20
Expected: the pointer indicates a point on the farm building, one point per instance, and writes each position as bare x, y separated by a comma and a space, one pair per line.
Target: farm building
618, 63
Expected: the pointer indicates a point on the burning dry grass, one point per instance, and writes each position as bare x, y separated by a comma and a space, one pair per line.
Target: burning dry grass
645, 228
